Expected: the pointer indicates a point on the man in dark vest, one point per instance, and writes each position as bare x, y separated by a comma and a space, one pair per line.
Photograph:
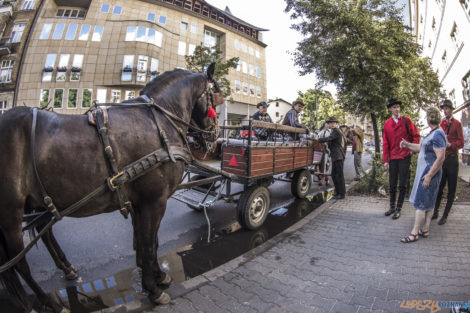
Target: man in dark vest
450, 169
262, 115
397, 160
292, 116
336, 145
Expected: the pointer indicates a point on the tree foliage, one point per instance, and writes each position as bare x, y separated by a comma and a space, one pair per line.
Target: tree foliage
322, 103
363, 48
203, 56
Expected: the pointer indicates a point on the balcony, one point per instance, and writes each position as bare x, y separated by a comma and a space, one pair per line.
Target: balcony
73, 3
6, 8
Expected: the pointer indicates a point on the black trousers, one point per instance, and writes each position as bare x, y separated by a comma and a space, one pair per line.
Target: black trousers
338, 177
399, 168
450, 172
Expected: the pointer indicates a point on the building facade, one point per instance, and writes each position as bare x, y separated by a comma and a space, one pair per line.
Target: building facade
278, 108
81, 50
441, 27
16, 18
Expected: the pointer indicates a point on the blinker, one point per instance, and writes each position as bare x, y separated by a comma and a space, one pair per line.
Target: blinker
211, 113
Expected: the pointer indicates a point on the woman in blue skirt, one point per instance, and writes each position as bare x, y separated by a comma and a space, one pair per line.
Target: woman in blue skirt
428, 174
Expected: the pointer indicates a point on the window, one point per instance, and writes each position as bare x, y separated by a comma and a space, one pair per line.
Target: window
188, 4
44, 98
454, 35
115, 95
277, 114
72, 100
151, 17
245, 88
101, 95
142, 68
143, 34
191, 49
59, 29
17, 32
181, 48
466, 86
84, 32
251, 51
71, 31
238, 87
277, 104
105, 8
162, 19
433, 25
46, 30
127, 65
258, 72
117, 10
258, 91
130, 33
48, 68
444, 59
452, 96
429, 44
97, 33
76, 67
6, 70
3, 106
86, 97
184, 26
62, 67
130, 94
257, 53
251, 69
244, 67
244, 48
252, 90
58, 95
210, 39
193, 29
153, 68
28, 5
70, 13
239, 65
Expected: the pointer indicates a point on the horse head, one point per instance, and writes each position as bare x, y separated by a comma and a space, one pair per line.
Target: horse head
204, 116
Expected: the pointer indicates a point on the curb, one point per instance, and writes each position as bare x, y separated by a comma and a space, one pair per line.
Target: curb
206, 278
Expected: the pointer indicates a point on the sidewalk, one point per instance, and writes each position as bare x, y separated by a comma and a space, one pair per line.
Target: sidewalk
464, 172
346, 256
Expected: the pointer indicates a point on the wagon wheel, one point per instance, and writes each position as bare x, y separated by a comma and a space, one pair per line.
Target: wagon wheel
253, 206
301, 183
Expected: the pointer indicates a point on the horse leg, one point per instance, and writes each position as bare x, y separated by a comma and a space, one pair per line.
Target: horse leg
149, 217
57, 254
14, 238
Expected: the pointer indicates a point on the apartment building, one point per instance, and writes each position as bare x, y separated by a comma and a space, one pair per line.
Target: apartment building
441, 27
16, 18
81, 50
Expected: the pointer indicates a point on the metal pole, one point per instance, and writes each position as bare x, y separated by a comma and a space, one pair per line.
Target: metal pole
316, 112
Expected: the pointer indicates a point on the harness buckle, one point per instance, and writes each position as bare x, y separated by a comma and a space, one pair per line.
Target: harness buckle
110, 181
52, 208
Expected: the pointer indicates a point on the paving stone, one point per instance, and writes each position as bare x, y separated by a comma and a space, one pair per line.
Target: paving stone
340, 307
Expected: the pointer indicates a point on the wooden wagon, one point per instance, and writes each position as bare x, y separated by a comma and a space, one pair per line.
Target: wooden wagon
288, 155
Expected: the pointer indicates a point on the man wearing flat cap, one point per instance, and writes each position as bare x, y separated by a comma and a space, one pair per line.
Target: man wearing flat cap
292, 117
262, 115
397, 160
336, 143
450, 169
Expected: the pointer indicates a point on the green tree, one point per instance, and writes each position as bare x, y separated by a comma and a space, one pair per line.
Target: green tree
363, 48
322, 103
203, 56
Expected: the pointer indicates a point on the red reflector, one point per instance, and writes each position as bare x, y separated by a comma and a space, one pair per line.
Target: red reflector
233, 162
211, 113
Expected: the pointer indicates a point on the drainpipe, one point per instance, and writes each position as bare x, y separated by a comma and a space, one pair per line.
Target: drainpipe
25, 49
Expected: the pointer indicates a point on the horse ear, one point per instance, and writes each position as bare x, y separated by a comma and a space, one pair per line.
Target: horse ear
210, 71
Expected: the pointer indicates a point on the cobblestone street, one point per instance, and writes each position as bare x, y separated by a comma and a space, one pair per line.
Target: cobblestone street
344, 257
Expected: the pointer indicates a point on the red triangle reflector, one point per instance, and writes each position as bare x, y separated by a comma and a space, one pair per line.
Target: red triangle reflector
243, 151
233, 161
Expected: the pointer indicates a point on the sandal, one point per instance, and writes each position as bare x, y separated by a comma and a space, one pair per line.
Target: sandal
410, 238
424, 234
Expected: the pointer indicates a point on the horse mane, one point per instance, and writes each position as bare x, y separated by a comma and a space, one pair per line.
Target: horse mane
166, 88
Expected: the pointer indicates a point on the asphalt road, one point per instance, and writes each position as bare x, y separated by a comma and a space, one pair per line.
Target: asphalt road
101, 245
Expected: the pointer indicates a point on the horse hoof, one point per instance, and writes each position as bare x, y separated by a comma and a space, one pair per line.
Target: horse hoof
167, 280
72, 268
71, 275
163, 299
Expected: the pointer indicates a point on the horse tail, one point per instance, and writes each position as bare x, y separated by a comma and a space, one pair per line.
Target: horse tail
10, 279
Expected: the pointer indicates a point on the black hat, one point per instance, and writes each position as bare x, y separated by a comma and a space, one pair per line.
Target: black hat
332, 119
298, 101
447, 103
392, 102
262, 103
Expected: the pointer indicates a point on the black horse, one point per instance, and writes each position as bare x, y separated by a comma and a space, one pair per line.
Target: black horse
71, 163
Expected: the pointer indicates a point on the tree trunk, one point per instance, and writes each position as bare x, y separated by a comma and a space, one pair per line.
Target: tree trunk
377, 152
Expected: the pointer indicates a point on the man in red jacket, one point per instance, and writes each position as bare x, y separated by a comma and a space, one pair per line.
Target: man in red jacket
397, 160
450, 169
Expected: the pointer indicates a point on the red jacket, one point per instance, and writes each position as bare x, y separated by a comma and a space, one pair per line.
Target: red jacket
392, 136
454, 135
